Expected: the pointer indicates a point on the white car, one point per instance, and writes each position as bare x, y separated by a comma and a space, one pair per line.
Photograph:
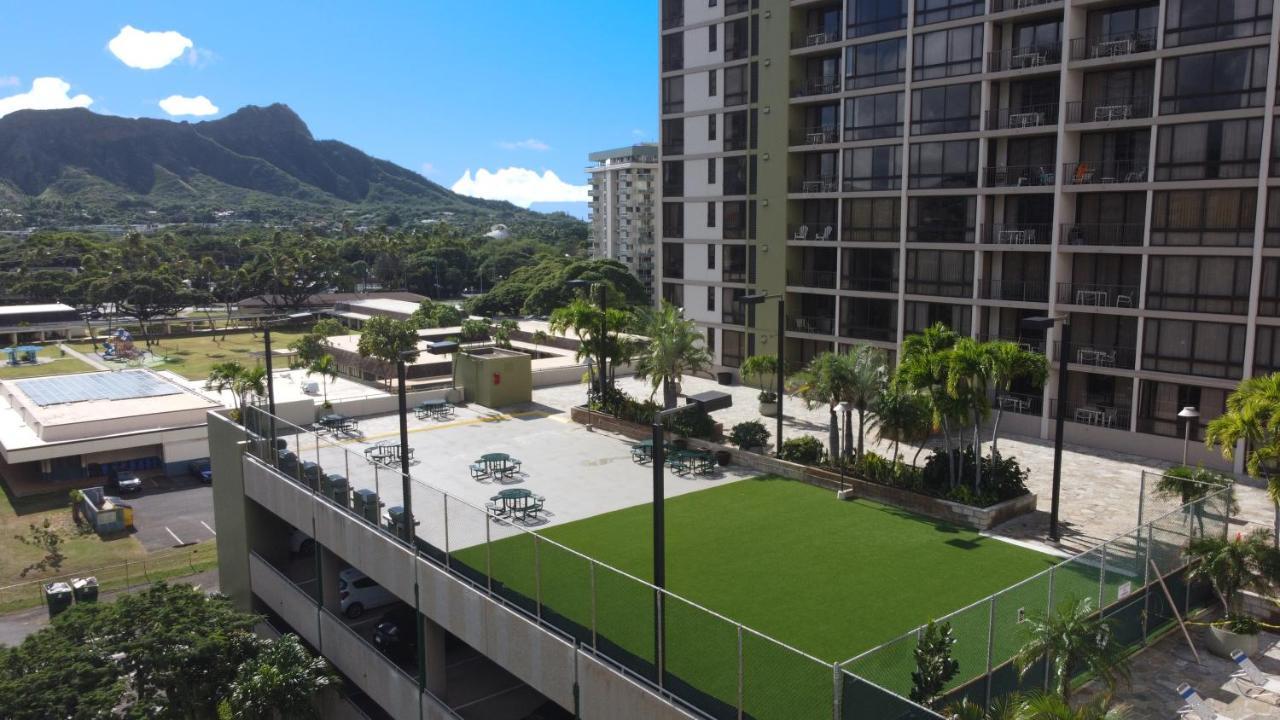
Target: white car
359, 593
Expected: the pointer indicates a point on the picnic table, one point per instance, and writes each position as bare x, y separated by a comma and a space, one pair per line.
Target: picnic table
513, 502
438, 409
385, 453
496, 464
339, 423
695, 461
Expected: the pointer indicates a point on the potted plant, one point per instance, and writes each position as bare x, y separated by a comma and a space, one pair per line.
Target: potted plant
1231, 566
751, 436
760, 371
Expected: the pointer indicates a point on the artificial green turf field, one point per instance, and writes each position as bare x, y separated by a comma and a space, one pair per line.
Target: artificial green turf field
832, 579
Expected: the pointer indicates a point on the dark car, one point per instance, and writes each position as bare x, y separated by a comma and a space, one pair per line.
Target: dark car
201, 470
123, 484
396, 633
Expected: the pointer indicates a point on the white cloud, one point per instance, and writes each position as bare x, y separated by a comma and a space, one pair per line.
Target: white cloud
148, 50
521, 186
9, 81
200, 58
47, 93
179, 105
428, 169
530, 144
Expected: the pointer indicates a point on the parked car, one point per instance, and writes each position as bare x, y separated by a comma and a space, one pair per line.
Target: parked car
358, 592
300, 542
124, 483
201, 470
396, 634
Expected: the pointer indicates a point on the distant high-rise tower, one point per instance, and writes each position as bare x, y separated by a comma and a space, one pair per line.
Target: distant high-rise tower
622, 207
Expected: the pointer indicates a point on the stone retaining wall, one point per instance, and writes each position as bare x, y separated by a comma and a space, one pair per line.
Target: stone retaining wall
936, 508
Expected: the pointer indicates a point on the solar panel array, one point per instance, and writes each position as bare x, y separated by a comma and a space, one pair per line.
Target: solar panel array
122, 385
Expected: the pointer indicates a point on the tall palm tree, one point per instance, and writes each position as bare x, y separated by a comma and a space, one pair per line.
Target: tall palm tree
923, 367
902, 415
1253, 418
675, 348
327, 368
1072, 640
1008, 363
241, 381
865, 376
968, 378
822, 382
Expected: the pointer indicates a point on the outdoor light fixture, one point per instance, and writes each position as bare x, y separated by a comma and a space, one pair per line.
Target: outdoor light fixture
266, 353
1045, 323
756, 299
1187, 414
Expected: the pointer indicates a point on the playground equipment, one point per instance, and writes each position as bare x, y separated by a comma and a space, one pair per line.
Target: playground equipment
120, 347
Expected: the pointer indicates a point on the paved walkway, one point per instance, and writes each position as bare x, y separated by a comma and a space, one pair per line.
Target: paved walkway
90, 359
1100, 488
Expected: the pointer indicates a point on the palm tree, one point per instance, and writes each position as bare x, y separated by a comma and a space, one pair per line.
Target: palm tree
1008, 363
327, 368
821, 382
1036, 706
281, 683
923, 368
902, 415
1253, 418
968, 378
241, 381
1072, 640
865, 375
540, 337
1248, 562
675, 348
760, 370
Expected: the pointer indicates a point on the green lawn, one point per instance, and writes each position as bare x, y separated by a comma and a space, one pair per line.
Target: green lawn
194, 357
830, 578
59, 366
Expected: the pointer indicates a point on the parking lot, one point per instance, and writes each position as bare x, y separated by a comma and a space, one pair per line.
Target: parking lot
172, 512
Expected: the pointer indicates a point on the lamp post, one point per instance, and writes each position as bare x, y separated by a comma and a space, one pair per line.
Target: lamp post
1042, 322
266, 354
406, 499
757, 299
602, 383
710, 402
1187, 414
842, 409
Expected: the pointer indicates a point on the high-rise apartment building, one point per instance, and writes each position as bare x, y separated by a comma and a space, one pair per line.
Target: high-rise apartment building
888, 164
622, 207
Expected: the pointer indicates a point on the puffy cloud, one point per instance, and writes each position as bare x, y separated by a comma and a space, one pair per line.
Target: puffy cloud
530, 144
9, 81
47, 93
521, 186
179, 105
148, 50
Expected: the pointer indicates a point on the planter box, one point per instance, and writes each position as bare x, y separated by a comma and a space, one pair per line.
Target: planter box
1221, 642
768, 409
936, 508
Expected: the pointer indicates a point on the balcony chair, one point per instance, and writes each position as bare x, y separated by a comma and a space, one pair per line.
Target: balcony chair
802, 233
824, 234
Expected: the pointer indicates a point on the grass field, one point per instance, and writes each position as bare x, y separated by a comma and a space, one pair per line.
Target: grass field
194, 357
830, 578
59, 366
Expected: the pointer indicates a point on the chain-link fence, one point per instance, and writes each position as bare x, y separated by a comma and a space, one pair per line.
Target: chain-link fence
698, 658
1118, 579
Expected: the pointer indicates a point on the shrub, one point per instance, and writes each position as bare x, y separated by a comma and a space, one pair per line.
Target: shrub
749, 434
1002, 478
695, 423
806, 450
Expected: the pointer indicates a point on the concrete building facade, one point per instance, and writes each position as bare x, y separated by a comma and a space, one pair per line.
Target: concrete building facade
888, 164
622, 207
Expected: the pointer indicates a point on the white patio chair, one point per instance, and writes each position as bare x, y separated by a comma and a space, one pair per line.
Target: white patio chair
1252, 682
1195, 706
824, 235
802, 233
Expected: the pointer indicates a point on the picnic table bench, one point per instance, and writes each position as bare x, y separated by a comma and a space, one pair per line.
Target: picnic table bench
515, 503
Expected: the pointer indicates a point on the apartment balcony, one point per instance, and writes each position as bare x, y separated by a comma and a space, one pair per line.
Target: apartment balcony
1115, 45
819, 135
1024, 58
1109, 109
736, 316
1103, 355
868, 332
734, 274
816, 325
672, 21
1034, 291
1020, 403
734, 143
1017, 234
823, 279
1029, 344
1028, 116
1098, 295
818, 232
1003, 5
934, 233
1097, 414
813, 87
941, 288
863, 282
1101, 172
1120, 234
673, 147
1020, 176
815, 184
815, 39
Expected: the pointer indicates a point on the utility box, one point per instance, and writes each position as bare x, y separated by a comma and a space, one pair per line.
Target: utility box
57, 597
495, 377
85, 589
365, 503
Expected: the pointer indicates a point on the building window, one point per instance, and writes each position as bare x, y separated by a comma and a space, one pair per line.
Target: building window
733, 175
1186, 347
711, 257
873, 116
711, 171
711, 341
932, 11
735, 86
1199, 284
944, 164
673, 178
673, 261
1200, 21
711, 127
948, 273
672, 52
673, 94
711, 83
735, 220
921, 315
672, 219
1224, 80
1269, 291
941, 219
711, 214
1203, 217
873, 168
871, 220
711, 298
711, 38
673, 136
945, 109
875, 63
948, 53
871, 17
1209, 150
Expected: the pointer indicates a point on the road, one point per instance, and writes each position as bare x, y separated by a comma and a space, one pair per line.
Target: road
172, 512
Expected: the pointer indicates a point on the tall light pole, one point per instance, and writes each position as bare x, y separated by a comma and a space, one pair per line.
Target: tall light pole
842, 410
266, 354
1043, 323
406, 499
757, 299
1188, 414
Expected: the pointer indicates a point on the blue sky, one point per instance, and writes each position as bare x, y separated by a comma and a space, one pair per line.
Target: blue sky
439, 86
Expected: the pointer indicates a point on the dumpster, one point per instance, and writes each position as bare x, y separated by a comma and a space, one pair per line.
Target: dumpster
85, 589
365, 502
57, 596
336, 488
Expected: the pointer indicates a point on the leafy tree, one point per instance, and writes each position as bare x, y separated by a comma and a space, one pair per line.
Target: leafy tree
761, 371
584, 319
145, 294
433, 315
822, 382
288, 271
674, 348
329, 327
47, 539
1247, 562
1036, 706
902, 415
474, 330
327, 369
1072, 641
279, 683
934, 664
386, 338
923, 368
749, 434
501, 333
1252, 417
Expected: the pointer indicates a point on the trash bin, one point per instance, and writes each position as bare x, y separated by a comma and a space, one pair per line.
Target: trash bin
365, 502
311, 474
85, 589
724, 378
338, 489
57, 596
288, 462
395, 520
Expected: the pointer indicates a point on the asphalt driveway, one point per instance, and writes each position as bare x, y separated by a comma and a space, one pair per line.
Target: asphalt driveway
172, 512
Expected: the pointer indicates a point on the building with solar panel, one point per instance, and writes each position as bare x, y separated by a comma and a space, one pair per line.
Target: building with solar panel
70, 431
